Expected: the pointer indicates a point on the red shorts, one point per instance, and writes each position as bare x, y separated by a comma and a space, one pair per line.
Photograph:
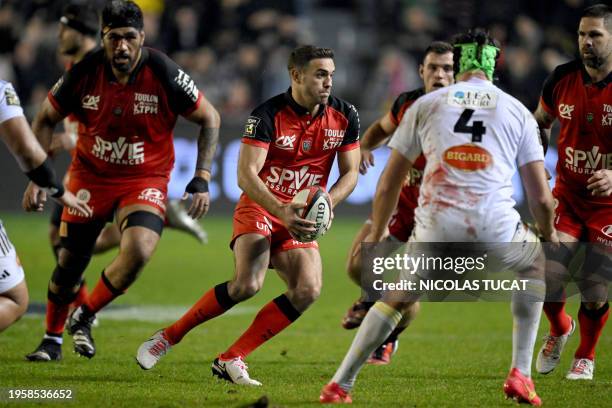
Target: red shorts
402, 220
581, 218
105, 198
251, 218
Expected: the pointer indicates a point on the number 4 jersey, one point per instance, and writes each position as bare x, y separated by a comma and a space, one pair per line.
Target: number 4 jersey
473, 136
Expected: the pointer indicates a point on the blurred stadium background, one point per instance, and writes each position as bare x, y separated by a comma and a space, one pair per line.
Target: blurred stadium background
236, 50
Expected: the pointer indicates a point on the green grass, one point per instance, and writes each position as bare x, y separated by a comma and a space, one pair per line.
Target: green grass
453, 355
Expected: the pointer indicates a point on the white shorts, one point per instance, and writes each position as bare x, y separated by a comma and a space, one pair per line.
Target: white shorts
11, 272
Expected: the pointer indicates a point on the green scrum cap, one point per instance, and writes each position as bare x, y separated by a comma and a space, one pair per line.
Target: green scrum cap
477, 57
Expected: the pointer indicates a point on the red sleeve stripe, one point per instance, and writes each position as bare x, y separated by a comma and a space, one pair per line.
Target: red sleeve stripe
348, 147
56, 104
546, 107
255, 142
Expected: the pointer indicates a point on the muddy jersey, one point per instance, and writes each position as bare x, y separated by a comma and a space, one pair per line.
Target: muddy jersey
125, 130
409, 196
301, 147
473, 136
584, 110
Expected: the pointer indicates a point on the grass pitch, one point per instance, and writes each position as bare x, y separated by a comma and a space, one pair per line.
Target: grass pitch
453, 355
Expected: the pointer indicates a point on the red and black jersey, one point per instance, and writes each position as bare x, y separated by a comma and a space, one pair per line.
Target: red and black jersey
301, 147
409, 195
584, 110
125, 130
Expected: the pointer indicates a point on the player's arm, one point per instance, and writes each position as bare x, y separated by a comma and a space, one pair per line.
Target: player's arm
545, 121
209, 120
33, 160
348, 166
44, 123
539, 198
387, 194
375, 136
250, 163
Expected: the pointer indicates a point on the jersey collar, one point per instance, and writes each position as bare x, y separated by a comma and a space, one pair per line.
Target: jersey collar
586, 78
299, 109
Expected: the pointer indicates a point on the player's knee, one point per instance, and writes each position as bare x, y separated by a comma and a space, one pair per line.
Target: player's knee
305, 295
240, 290
137, 255
411, 310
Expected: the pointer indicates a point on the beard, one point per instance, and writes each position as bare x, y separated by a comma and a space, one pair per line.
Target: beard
122, 66
591, 60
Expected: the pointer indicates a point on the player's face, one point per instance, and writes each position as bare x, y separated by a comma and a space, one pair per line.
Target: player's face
594, 42
122, 47
437, 71
70, 40
316, 80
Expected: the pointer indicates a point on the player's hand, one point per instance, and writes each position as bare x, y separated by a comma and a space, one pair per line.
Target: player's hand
69, 200
295, 225
200, 199
367, 161
34, 198
600, 183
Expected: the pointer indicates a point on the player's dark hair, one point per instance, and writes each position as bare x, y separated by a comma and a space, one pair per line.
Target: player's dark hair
599, 11
437, 47
476, 35
301, 56
121, 13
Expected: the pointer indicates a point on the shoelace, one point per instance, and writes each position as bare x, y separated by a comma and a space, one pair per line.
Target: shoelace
158, 349
580, 366
552, 344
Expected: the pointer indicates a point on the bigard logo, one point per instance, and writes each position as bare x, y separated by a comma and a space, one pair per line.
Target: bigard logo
468, 157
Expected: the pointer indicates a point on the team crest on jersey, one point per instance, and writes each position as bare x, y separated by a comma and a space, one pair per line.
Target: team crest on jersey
468, 157
472, 99
84, 195
11, 97
565, 111
285, 142
306, 144
90, 102
145, 104
250, 129
606, 117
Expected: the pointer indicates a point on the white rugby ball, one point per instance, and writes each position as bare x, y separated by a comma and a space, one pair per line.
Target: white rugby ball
318, 210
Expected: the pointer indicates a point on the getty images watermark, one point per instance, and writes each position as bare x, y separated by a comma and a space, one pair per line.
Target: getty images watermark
482, 271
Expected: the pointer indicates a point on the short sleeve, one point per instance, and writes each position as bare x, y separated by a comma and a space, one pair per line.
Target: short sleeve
10, 106
351, 135
547, 98
406, 139
181, 89
64, 95
530, 146
259, 127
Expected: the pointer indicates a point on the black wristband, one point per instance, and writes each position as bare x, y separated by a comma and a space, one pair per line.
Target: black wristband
197, 185
44, 177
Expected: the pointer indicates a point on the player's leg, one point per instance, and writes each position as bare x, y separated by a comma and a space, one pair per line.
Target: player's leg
526, 306
13, 288
13, 304
141, 227
359, 308
77, 244
109, 238
300, 268
378, 324
594, 310
54, 225
252, 257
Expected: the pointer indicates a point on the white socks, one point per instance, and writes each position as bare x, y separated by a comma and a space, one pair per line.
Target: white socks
378, 324
526, 312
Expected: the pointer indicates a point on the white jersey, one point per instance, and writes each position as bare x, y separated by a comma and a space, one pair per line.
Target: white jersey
9, 102
473, 136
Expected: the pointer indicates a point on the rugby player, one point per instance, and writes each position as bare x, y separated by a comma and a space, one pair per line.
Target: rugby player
289, 143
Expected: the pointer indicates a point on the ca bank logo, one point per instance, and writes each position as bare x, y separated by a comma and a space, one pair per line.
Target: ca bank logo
565, 111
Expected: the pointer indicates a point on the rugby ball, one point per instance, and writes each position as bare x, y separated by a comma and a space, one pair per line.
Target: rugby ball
318, 210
